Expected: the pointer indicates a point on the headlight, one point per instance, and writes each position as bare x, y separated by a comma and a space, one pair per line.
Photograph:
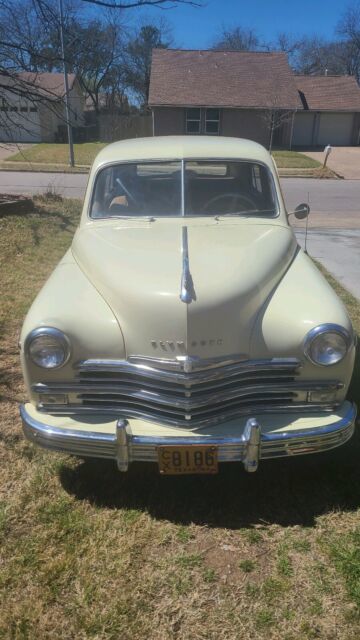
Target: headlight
327, 344
48, 347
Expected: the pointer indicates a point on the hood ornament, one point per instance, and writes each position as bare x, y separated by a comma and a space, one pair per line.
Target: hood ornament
187, 292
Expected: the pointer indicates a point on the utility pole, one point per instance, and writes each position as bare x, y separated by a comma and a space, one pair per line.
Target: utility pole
66, 84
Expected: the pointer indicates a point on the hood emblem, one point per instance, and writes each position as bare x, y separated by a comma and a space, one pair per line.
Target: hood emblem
187, 291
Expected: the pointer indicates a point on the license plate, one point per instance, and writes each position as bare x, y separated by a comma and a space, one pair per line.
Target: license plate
182, 459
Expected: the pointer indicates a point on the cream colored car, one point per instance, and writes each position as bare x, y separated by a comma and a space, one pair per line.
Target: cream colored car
185, 326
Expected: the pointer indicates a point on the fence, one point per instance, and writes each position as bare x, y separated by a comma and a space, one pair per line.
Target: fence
116, 127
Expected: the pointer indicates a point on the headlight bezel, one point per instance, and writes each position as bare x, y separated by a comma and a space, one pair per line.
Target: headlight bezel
320, 330
55, 334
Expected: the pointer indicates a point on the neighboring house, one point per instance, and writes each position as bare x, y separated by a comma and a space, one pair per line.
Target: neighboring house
34, 109
228, 93
246, 94
331, 111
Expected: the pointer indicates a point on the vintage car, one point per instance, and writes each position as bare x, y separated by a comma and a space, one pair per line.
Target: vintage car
185, 326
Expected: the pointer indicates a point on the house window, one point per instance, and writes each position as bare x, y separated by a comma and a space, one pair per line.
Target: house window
193, 120
212, 121
13, 108
33, 109
23, 109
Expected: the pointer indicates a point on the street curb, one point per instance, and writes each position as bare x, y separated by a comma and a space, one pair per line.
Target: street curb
36, 169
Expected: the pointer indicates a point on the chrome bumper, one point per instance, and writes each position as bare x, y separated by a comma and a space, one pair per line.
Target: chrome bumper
249, 447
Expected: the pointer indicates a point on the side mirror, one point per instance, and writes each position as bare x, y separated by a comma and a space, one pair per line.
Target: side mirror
301, 212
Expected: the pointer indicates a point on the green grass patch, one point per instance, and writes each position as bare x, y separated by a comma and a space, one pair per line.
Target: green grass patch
294, 160
54, 153
247, 565
345, 552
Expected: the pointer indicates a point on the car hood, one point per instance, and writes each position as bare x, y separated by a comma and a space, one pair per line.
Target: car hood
137, 268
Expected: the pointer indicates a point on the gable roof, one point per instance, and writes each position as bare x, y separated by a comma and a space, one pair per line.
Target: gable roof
329, 93
50, 83
44, 85
223, 79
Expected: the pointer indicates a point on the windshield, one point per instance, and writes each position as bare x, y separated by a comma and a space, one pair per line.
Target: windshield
189, 188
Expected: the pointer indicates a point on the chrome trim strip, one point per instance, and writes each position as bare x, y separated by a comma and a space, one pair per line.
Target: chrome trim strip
179, 362
187, 292
205, 370
194, 401
127, 447
195, 424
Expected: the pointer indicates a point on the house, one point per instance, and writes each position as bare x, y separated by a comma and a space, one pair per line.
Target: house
331, 111
253, 95
33, 108
228, 93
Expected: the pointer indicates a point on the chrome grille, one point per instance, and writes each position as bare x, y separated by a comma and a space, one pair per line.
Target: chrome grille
195, 398
161, 391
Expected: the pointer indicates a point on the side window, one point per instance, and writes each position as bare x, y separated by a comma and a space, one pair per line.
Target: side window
212, 121
193, 120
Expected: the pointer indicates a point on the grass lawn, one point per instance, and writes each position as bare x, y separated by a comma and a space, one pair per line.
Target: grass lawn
89, 553
294, 160
52, 154
47, 153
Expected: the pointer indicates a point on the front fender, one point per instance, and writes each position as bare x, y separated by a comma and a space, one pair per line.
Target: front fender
302, 300
69, 302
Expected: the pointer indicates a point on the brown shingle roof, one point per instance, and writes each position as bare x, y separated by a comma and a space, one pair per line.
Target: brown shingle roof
329, 93
51, 84
222, 78
37, 85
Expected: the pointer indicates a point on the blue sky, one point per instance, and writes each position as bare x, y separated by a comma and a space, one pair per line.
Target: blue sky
195, 28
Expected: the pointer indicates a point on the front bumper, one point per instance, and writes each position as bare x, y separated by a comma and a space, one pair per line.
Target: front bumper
246, 440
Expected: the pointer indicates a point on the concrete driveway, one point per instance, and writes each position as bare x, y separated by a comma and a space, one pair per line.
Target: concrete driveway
343, 160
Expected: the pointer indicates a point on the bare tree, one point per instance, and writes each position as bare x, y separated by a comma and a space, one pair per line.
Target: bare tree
138, 54
288, 44
238, 39
29, 42
349, 31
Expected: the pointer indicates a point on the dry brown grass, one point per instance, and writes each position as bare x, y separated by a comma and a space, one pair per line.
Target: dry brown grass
89, 553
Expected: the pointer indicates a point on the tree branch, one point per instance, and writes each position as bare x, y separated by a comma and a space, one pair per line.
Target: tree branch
161, 4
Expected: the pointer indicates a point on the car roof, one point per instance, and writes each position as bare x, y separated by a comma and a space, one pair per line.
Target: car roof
179, 147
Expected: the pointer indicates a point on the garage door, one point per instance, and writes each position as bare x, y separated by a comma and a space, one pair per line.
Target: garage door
303, 129
335, 128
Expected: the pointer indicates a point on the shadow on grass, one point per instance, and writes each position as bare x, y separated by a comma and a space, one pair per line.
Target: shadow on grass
293, 491
287, 492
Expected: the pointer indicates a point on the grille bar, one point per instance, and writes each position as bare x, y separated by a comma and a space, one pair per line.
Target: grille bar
205, 396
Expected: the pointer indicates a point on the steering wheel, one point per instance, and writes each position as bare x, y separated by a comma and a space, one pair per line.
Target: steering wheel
235, 197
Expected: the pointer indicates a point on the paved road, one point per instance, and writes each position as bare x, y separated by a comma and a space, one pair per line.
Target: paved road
334, 223
69, 185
